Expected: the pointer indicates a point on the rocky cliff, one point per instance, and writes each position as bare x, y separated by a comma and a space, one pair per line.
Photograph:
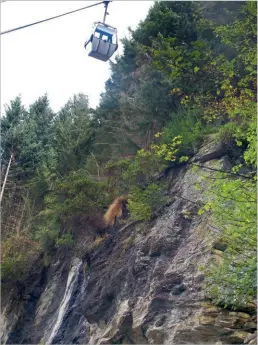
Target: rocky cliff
142, 284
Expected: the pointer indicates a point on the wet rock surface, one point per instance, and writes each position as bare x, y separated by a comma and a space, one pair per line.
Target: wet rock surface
143, 285
211, 149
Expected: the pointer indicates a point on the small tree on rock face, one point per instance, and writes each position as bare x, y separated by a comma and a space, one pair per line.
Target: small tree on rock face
17, 258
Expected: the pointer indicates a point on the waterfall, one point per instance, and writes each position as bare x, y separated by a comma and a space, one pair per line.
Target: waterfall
71, 280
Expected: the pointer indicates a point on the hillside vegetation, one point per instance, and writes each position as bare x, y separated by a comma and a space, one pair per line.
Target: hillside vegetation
182, 77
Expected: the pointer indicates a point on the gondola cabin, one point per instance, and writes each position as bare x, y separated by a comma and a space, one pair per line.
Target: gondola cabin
103, 42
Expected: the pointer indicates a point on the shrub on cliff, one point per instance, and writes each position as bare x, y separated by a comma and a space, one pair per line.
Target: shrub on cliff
17, 258
232, 283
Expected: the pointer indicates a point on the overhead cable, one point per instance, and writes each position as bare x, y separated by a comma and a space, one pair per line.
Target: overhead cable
45, 20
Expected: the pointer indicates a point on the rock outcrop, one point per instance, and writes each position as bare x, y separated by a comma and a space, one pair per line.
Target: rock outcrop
143, 284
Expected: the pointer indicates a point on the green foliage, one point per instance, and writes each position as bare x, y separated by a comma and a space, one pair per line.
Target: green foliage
27, 134
248, 133
176, 19
65, 241
233, 283
137, 102
124, 175
244, 134
168, 151
47, 238
224, 88
18, 255
45, 228
202, 75
234, 212
139, 209
226, 133
73, 134
115, 171
142, 168
77, 194
186, 123
144, 202
136, 176
241, 34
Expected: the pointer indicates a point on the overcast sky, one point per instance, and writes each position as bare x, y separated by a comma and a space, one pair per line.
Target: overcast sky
50, 57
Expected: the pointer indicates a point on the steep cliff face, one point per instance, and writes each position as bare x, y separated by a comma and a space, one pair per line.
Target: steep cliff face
142, 285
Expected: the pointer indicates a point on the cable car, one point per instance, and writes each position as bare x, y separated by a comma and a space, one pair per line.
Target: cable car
104, 40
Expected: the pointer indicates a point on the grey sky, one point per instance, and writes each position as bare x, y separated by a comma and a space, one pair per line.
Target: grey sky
50, 57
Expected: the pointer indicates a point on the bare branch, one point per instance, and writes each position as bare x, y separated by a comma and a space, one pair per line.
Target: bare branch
97, 165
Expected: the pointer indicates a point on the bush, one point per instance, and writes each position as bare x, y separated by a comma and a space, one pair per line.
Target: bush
136, 178
232, 283
226, 133
18, 256
242, 135
114, 170
65, 241
77, 194
47, 238
143, 168
144, 202
45, 229
187, 124
125, 175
